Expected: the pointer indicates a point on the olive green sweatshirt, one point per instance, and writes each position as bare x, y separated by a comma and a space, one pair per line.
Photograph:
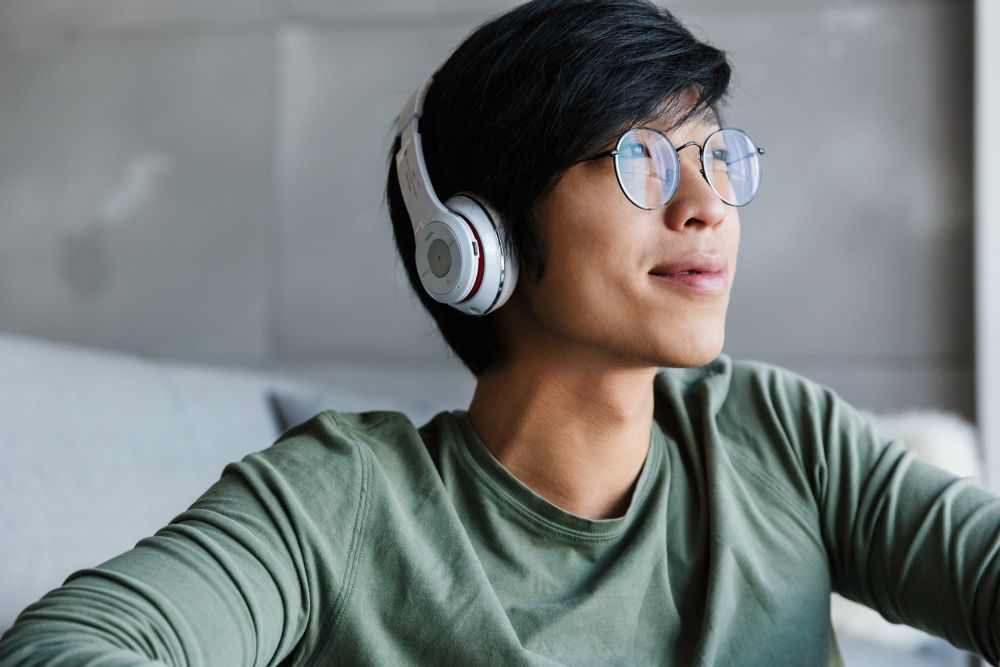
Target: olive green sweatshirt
360, 539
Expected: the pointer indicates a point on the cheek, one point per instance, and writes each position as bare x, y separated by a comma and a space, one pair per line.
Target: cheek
579, 275
734, 240
592, 286
591, 243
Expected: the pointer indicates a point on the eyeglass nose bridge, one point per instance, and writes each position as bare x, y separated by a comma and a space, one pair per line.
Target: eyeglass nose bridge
701, 161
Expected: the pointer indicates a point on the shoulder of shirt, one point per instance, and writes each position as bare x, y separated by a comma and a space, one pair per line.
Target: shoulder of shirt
733, 380
322, 444
384, 439
771, 422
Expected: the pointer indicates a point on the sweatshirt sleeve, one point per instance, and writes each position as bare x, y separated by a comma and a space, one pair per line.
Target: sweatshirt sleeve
249, 574
913, 541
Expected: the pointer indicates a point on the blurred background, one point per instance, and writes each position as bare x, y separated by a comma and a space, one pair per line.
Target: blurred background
201, 182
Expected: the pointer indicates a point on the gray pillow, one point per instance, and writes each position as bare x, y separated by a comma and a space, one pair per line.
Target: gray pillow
291, 407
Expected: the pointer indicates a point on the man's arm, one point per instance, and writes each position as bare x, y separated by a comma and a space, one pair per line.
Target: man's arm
234, 580
913, 541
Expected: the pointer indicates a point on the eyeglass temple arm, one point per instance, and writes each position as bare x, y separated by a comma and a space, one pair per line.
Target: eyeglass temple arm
613, 151
759, 151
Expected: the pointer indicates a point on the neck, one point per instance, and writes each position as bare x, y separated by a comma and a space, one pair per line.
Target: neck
576, 433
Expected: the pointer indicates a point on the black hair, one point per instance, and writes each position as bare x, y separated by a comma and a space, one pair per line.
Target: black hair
526, 95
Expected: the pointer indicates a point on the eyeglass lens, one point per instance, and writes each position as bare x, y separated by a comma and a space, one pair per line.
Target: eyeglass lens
648, 166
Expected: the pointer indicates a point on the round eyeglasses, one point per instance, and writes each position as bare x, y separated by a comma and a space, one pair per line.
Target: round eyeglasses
648, 166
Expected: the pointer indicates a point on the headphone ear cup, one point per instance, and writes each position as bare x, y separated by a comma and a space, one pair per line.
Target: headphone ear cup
509, 253
499, 266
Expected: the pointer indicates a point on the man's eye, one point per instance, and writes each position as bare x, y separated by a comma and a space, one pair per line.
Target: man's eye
721, 154
636, 150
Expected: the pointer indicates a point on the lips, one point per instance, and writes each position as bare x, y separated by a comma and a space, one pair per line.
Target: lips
693, 263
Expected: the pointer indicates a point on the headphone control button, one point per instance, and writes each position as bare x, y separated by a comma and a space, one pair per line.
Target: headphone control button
439, 258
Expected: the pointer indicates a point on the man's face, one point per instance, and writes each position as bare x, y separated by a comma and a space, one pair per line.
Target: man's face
598, 295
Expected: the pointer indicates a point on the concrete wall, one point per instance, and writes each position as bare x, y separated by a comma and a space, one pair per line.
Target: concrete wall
203, 181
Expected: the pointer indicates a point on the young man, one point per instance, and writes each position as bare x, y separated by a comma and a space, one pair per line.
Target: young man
619, 491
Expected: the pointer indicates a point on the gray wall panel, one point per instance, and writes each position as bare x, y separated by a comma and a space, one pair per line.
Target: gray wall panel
388, 10
481, 9
134, 194
343, 291
17, 16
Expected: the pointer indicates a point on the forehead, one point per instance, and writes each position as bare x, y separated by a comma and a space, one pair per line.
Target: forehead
696, 127
669, 118
674, 106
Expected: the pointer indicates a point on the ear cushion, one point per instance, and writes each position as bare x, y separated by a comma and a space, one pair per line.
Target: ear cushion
499, 266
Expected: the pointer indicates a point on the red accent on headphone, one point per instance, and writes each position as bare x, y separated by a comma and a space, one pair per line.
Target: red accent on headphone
482, 262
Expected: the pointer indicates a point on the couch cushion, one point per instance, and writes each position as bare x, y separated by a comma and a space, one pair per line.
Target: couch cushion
101, 449
296, 405
418, 390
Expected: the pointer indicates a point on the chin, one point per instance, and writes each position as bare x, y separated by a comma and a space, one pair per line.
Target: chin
698, 353
692, 362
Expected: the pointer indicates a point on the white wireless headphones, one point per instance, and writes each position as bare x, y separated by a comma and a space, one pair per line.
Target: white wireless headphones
463, 255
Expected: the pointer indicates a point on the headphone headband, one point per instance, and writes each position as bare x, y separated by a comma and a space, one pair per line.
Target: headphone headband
414, 182
413, 106
459, 246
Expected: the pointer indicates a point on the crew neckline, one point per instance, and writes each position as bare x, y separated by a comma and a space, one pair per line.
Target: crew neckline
539, 511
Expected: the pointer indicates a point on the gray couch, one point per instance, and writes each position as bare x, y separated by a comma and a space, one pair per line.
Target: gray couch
102, 448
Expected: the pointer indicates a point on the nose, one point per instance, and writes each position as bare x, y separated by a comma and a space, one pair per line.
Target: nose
694, 201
